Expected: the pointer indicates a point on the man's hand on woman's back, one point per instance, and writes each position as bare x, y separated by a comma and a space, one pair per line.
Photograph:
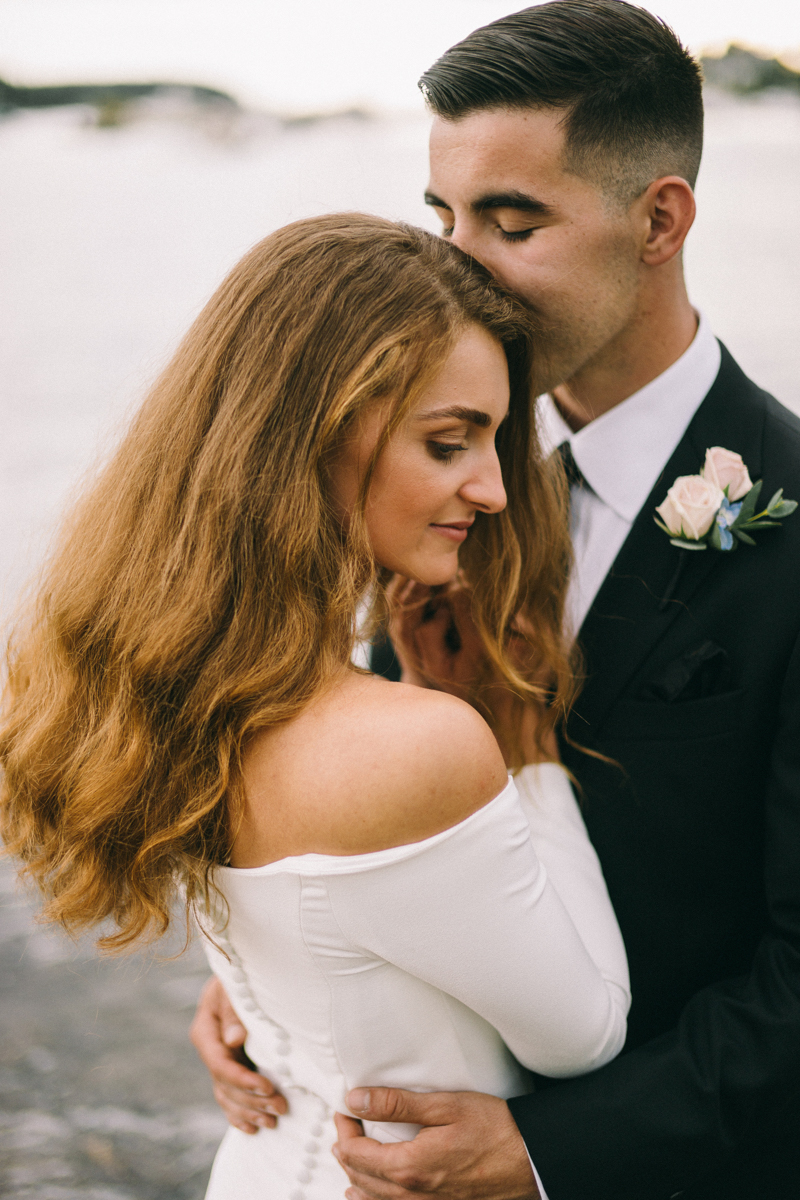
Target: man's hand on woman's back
469, 1148
249, 1101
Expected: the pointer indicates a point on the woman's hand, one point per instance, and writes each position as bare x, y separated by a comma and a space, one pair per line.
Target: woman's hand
434, 636
249, 1101
438, 646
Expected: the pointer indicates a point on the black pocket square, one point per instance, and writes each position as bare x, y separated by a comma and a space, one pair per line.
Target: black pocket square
698, 673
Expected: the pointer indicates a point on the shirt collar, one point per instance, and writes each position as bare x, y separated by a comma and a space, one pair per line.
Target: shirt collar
622, 453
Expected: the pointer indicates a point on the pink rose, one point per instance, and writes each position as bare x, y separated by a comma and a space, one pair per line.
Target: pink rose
726, 470
690, 507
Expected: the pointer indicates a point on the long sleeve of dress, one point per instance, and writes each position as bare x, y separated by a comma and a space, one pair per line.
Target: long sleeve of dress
562, 844
472, 912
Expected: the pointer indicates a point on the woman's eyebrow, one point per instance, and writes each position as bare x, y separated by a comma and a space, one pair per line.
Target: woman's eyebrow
472, 416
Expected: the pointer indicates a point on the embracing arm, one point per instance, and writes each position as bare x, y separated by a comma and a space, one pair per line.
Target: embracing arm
482, 923
469, 1146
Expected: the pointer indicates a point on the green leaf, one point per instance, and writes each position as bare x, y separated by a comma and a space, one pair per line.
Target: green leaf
749, 503
714, 540
776, 499
661, 525
687, 545
761, 524
748, 541
784, 509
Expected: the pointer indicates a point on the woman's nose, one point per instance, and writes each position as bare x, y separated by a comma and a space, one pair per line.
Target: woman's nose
485, 489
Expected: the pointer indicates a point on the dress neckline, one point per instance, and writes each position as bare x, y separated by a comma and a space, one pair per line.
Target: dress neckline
343, 864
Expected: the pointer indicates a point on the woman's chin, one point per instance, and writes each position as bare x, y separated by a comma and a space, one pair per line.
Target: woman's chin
435, 576
433, 571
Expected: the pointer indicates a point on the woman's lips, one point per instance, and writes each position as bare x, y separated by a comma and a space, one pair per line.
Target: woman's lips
456, 532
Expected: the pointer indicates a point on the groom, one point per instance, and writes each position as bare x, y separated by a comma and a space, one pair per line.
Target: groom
566, 141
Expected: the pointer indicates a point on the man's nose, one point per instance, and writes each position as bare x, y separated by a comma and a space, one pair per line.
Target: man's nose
467, 236
464, 236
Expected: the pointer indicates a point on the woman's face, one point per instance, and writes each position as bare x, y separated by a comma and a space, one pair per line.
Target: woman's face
438, 469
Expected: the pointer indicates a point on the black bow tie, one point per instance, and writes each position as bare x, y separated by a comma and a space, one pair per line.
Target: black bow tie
574, 473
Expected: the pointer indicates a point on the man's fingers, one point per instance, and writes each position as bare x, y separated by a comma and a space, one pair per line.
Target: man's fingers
239, 1080
245, 1116
347, 1127
411, 1108
469, 1145
238, 1088
233, 1031
263, 1097
371, 1186
366, 1188
365, 1160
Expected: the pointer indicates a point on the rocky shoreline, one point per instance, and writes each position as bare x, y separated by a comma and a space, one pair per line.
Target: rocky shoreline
743, 73
101, 1095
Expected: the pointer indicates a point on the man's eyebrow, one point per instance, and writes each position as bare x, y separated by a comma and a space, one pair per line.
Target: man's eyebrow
434, 200
472, 416
520, 201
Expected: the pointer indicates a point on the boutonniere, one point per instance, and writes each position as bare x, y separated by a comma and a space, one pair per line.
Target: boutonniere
717, 508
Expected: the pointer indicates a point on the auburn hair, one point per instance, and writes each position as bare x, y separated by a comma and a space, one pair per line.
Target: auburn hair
203, 588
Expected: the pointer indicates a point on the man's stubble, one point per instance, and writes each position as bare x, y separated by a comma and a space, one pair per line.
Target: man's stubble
580, 332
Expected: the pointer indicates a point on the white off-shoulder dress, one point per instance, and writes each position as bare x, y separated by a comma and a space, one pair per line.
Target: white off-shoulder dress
453, 964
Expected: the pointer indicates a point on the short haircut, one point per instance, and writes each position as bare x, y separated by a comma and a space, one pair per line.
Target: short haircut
631, 93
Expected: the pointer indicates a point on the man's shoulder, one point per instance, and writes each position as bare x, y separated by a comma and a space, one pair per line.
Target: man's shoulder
781, 432
780, 445
739, 404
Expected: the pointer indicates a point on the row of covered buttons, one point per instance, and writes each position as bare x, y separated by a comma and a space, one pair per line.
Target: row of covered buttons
250, 1004
306, 1173
283, 1049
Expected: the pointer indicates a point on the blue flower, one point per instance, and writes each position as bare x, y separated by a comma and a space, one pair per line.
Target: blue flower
728, 513
725, 518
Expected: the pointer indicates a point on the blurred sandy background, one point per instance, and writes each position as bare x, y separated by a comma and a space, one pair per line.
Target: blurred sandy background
116, 228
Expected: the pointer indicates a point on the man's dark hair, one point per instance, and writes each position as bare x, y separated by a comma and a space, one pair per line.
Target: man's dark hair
631, 94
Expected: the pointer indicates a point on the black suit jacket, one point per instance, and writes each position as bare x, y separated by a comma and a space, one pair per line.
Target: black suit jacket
697, 699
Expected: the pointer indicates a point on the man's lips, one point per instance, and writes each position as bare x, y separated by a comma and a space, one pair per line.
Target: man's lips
456, 531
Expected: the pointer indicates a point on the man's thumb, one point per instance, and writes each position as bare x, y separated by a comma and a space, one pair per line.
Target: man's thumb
394, 1104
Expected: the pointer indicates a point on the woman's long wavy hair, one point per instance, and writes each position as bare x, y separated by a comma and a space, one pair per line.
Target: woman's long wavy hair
203, 589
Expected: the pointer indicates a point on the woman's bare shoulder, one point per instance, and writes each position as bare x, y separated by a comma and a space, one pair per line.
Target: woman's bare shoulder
376, 764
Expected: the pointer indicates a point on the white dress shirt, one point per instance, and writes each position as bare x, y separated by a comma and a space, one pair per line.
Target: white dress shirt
621, 455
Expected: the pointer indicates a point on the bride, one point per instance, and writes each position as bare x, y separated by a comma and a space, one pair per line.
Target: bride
183, 714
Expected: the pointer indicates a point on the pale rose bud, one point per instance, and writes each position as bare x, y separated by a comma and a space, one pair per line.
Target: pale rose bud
726, 470
690, 507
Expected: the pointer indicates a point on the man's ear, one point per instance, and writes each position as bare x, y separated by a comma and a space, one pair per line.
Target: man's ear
668, 210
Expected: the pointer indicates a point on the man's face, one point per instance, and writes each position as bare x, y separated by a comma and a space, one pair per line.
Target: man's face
499, 185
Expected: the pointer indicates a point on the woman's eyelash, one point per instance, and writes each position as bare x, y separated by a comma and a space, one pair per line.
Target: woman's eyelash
444, 451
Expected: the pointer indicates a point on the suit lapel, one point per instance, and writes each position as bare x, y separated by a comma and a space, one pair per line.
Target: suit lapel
641, 596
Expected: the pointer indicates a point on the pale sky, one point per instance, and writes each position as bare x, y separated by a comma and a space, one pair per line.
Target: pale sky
305, 54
